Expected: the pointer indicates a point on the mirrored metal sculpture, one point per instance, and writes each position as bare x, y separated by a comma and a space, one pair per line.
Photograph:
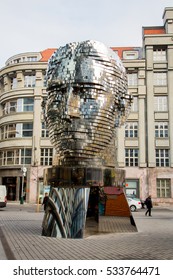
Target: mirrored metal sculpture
87, 99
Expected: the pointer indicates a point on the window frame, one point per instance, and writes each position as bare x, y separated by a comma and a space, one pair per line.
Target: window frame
131, 157
161, 130
160, 78
159, 54
46, 156
16, 130
160, 103
135, 105
132, 78
163, 187
44, 130
14, 82
30, 80
15, 156
131, 130
162, 157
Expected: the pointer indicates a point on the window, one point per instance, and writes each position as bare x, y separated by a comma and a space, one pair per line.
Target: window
9, 107
8, 131
15, 157
160, 79
161, 129
131, 129
26, 156
11, 131
25, 104
31, 58
27, 129
130, 54
44, 81
19, 105
160, 103
159, 54
134, 107
131, 157
46, 156
2, 134
132, 79
24, 129
162, 157
16, 130
10, 157
28, 104
44, 130
13, 83
1, 158
163, 188
29, 81
18, 60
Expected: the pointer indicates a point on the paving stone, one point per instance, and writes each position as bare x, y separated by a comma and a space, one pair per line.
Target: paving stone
21, 226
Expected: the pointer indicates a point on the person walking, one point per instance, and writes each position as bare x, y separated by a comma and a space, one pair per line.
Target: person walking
149, 204
45, 201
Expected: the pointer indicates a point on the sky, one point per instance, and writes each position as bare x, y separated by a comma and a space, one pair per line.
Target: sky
36, 25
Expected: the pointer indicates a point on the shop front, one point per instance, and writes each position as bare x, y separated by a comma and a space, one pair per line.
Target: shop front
12, 179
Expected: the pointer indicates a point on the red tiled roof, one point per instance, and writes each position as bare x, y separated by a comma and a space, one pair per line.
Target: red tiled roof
46, 54
148, 31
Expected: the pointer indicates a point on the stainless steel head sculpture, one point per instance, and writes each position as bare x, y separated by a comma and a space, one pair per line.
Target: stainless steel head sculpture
87, 99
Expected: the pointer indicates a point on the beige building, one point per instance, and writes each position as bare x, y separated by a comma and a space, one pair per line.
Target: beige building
24, 142
145, 142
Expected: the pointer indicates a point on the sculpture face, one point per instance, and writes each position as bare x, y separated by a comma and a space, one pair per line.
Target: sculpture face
87, 99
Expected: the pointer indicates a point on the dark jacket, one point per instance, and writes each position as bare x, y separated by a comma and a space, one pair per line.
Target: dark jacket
45, 202
148, 202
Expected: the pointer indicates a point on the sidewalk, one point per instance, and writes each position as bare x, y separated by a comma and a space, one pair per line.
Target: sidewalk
20, 231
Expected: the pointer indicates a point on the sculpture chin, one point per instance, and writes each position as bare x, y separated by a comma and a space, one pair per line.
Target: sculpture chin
79, 153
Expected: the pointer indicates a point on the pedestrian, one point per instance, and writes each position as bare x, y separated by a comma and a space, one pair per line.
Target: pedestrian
45, 201
149, 204
143, 204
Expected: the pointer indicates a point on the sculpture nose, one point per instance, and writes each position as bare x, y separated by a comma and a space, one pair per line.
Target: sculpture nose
73, 104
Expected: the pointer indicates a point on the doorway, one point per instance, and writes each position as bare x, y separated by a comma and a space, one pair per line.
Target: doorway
10, 183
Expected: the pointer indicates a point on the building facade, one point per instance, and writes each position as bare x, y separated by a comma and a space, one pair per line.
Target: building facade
144, 143
24, 142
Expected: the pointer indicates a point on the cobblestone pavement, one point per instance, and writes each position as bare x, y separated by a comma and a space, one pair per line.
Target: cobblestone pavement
20, 233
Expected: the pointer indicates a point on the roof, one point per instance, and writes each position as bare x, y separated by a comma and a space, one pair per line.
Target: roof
120, 50
153, 30
46, 54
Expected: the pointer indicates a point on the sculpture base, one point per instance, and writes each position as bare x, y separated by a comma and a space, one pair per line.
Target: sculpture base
85, 201
77, 176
